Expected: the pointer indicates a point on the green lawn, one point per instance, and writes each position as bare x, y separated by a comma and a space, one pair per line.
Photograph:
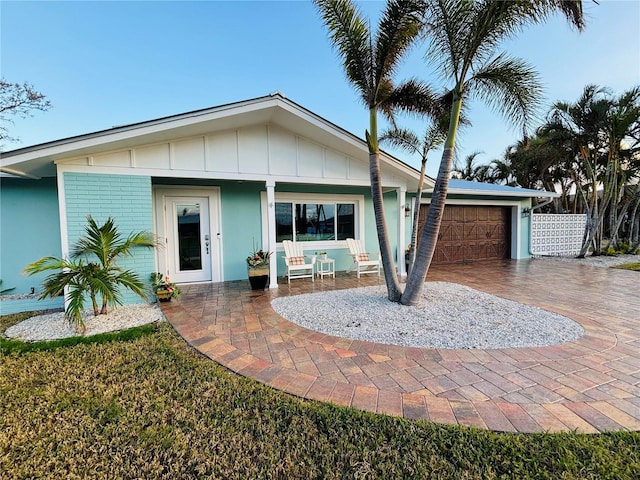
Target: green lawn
150, 407
629, 266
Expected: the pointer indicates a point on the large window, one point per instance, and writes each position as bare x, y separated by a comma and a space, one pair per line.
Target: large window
312, 222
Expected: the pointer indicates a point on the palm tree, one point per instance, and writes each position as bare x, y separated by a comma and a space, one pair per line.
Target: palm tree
82, 276
433, 137
464, 40
502, 172
465, 36
596, 127
469, 171
370, 61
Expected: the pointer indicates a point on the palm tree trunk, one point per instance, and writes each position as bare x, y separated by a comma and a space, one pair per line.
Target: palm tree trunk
634, 222
634, 229
388, 265
590, 231
94, 304
620, 216
593, 217
428, 239
416, 218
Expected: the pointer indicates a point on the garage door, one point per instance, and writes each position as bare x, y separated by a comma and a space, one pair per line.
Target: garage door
471, 233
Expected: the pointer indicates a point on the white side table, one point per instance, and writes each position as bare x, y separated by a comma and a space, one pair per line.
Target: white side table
325, 266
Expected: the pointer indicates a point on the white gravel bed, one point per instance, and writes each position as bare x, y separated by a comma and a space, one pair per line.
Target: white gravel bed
53, 326
451, 316
18, 296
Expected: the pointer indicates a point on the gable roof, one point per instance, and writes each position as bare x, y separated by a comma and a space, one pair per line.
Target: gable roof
38, 160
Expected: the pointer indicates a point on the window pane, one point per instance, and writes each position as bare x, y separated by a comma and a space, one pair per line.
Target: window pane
315, 221
189, 236
284, 222
346, 221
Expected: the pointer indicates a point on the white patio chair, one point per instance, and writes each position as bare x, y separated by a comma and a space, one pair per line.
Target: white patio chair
296, 261
362, 260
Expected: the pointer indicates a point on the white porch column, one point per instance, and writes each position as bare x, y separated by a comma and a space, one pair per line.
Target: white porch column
64, 231
271, 232
402, 198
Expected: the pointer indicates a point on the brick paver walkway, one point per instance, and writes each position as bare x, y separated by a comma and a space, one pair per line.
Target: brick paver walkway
589, 385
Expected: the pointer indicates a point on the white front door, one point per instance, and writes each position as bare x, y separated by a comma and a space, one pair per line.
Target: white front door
188, 238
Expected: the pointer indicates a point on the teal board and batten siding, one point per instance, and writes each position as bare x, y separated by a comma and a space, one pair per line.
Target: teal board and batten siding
29, 230
525, 229
126, 198
241, 226
241, 220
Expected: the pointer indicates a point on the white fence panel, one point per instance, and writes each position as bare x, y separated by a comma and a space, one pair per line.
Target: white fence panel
553, 234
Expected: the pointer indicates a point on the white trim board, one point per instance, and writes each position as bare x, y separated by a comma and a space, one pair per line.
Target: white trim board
314, 198
516, 217
215, 223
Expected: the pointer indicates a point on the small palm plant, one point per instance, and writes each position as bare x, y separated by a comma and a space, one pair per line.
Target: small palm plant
83, 275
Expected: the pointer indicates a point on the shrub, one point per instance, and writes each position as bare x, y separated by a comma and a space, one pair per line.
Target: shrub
83, 274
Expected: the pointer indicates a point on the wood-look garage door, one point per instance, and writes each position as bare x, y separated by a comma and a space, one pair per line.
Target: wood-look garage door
471, 233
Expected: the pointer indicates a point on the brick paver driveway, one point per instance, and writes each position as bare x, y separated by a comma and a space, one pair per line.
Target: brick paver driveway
589, 385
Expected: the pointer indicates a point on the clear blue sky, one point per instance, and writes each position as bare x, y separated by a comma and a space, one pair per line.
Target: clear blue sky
103, 64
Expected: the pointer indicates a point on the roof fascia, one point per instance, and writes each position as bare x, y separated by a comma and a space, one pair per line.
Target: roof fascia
501, 193
80, 143
60, 147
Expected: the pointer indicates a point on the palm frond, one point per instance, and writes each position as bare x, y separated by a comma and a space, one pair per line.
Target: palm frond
436, 133
464, 34
75, 302
131, 281
98, 240
448, 23
414, 97
401, 138
511, 86
351, 37
400, 25
44, 264
467, 170
103, 283
572, 10
135, 239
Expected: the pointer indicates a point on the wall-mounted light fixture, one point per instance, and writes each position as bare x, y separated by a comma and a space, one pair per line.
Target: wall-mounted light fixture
407, 210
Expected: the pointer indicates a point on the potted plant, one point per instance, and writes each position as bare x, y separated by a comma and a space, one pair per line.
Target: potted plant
322, 255
258, 269
163, 288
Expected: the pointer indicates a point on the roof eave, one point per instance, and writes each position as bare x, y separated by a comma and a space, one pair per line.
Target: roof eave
499, 193
119, 137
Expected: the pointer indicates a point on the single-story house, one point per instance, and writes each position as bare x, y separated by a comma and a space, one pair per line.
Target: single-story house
217, 183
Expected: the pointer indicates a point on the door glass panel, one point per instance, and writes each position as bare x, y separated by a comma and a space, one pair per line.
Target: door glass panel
190, 248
